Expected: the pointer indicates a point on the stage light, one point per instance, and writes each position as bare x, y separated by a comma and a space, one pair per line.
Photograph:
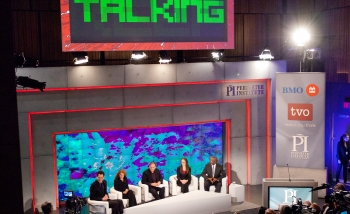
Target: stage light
301, 37
266, 54
217, 55
80, 58
314, 53
31, 83
136, 55
164, 58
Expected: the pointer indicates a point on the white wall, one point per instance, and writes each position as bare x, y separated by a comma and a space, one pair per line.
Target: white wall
45, 124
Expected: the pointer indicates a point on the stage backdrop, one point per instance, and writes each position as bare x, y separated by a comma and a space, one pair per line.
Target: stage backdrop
300, 110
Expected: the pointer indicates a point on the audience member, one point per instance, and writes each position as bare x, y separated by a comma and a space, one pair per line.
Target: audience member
307, 203
213, 174
153, 179
47, 207
98, 192
270, 211
183, 175
121, 185
285, 209
315, 208
262, 210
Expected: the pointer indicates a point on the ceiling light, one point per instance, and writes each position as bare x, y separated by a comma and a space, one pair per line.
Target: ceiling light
217, 55
136, 55
80, 58
266, 54
164, 58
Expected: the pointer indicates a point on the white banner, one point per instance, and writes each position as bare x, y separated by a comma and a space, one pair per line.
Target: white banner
248, 90
300, 113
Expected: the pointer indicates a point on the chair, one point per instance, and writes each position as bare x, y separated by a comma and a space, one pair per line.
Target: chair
100, 206
146, 196
175, 189
212, 188
137, 191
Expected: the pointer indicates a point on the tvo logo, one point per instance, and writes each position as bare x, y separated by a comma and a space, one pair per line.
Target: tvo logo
298, 111
292, 90
290, 195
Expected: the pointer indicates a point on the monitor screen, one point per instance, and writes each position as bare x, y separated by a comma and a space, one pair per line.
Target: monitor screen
287, 195
80, 155
119, 25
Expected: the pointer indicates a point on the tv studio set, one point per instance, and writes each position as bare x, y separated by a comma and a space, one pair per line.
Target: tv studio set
175, 106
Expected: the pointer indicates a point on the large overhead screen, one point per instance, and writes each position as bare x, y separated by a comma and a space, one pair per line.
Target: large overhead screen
119, 25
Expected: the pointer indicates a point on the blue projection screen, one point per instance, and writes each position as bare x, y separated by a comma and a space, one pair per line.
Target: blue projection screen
80, 155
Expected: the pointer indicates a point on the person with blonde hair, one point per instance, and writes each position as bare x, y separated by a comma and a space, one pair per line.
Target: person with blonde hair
121, 185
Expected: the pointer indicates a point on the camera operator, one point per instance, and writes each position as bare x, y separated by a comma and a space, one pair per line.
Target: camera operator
338, 201
47, 207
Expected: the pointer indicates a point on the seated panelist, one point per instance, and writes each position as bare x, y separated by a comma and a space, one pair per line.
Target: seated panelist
153, 179
121, 185
98, 192
213, 174
183, 175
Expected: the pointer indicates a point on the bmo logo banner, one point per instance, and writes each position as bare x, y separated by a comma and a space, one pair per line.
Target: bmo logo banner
298, 111
311, 90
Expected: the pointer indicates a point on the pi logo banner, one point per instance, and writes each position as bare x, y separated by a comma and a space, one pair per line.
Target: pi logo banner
300, 119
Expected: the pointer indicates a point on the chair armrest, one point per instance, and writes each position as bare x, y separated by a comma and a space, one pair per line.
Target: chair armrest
114, 196
119, 194
166, 184
101, 203
194, 181
201, 183
173, 185
137, 191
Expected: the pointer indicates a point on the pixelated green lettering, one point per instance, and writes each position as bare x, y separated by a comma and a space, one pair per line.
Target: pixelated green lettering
86, 6
186, 3
155, 11
129, 14
214, 15
107, 9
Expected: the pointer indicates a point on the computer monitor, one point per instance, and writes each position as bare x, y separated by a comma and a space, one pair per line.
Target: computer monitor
287, 195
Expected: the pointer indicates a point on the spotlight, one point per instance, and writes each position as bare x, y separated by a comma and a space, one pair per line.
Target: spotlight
314, 53
164, 58
136, 55
266, 54
31, 83
301, 37
217, 55
80, 58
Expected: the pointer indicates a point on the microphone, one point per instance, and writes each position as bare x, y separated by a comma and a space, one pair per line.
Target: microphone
288, 173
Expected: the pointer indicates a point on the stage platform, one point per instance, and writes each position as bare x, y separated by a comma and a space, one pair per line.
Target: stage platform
200, 202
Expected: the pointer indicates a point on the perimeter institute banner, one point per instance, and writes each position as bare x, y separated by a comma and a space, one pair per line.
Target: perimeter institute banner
300, 109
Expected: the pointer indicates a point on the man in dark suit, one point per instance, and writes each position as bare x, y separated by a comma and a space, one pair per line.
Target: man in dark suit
98, 192
213, 174
153, 179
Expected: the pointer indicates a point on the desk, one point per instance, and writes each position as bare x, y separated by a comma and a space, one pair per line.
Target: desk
237, 192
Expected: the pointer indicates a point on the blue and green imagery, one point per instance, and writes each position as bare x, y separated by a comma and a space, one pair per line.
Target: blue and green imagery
81, 155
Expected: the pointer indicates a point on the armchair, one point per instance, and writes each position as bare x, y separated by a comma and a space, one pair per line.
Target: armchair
212, 188
175, 189
137, 191
96, 206
146, 196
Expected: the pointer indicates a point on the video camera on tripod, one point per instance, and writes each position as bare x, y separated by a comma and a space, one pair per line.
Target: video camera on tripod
74, 203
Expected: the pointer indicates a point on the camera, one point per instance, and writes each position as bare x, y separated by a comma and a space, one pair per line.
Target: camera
74, 203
